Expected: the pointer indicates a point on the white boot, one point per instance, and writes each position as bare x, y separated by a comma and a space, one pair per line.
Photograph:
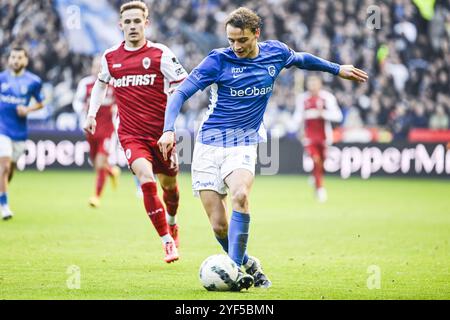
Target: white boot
321, 195
6, 213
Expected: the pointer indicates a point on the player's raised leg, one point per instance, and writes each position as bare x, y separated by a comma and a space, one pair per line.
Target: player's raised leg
171, 198
154, 207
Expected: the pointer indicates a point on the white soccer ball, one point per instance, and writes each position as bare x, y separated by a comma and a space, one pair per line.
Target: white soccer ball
218, 273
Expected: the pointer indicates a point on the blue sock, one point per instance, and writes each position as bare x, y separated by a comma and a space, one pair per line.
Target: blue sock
238, 236
3, 199
224, 243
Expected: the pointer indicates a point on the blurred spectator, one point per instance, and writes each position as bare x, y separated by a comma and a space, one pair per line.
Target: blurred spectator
419, 119
408, 57
400, 122
439, 119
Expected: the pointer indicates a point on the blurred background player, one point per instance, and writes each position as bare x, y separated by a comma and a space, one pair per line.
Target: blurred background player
102, 142
242, 78
143, 74
17, 87
315, 110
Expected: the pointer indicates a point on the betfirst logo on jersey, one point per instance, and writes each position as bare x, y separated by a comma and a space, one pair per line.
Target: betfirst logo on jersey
250, 91
134, 80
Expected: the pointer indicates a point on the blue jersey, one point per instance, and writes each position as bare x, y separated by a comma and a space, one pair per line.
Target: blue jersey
17, 91
240, 91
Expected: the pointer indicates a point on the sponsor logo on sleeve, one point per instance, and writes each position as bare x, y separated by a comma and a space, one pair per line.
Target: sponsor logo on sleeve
179, 71
175, 61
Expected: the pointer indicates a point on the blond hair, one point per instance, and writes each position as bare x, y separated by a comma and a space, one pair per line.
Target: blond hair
134, 5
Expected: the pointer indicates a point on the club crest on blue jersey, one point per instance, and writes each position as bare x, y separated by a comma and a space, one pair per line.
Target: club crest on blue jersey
146, 62
271, 70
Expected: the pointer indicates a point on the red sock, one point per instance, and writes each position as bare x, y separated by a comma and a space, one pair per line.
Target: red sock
154, 208
171, 199
318, 173
101, 178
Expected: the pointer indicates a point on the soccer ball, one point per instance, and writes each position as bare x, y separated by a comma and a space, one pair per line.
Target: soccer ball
218, 273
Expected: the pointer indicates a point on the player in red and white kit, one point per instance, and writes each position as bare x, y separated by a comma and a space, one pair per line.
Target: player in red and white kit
102, 142
143, 74
315, 110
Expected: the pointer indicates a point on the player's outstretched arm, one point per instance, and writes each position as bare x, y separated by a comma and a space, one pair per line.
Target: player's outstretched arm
174, 104
350, 72
304, 60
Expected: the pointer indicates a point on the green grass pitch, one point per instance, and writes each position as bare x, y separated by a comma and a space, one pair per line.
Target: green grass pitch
396, 231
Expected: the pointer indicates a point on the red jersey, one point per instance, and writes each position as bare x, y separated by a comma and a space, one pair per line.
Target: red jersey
104, 117
315, 114
142, 80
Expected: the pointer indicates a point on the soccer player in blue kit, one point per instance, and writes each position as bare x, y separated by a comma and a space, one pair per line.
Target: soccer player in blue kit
17, 86
242, 79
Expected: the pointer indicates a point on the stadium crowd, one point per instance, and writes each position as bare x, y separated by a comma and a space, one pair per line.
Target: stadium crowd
405, 51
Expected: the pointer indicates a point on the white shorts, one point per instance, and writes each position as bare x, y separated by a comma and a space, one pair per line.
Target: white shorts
11, 149
211, 165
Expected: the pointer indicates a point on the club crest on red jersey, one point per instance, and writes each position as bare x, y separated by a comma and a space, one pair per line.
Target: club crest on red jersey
128, 154
146, 62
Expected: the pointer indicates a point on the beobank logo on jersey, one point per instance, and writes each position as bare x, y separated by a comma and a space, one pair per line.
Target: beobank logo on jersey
250, 91
135, 80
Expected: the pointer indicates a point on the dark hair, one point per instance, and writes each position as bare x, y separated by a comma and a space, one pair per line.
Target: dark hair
244, 18
19, 48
